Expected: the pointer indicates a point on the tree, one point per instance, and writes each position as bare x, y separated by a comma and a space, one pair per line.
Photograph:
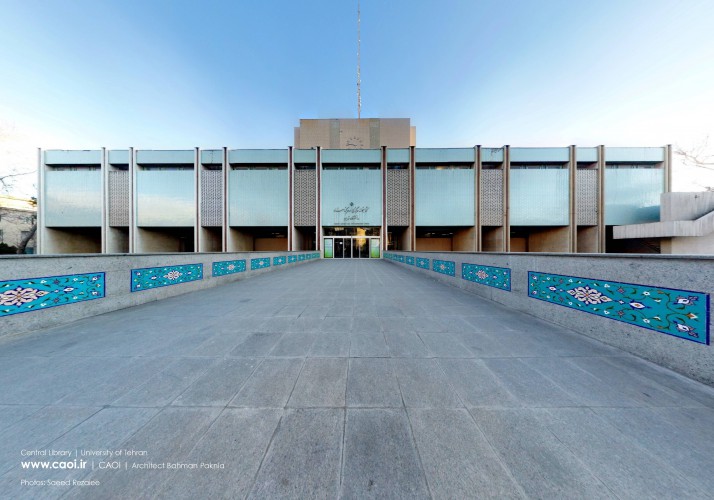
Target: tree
699, 157
12, 154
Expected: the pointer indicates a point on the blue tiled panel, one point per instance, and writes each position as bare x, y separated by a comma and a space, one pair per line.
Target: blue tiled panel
260, 263
497, 277
301, 257
410, 260
279, 261
155, 277
224, 267
32, 294
422, 263
400, 258
292, 258
444, 267
681, 313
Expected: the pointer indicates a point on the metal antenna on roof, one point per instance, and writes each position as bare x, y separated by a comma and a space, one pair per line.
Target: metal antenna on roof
359, 79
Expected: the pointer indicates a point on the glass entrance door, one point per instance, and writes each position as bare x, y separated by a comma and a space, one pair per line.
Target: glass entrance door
339, 247
351, 247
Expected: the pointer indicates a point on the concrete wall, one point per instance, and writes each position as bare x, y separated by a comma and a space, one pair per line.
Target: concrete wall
71, 240
547, 240
695, 273
464, 240
433, 244
117, 269
271, 244
686, 206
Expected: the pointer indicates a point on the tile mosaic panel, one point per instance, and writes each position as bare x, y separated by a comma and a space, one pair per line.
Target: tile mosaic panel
301, 257
497, 277
225, 267
422, 263
279, 261
155, 277
682, 313
260, 263
34, 294
400, 258
292, 258
444, 267
410, 260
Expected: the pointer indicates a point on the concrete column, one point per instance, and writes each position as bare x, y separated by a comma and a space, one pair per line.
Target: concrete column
197, 243
105, 201
132, 201
668, 168
41, 230
224, 191
385, 227
572, 199
601, 236
291, 199
506, 198
412, 196
318, 197
477, 194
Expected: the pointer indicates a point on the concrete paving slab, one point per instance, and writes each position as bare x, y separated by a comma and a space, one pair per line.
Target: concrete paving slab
304, 457
368, 345
371, 382
238, 440
270, 385
632, 472
528, 386
457, 459
476, 385
162, 388
380, 458
424, 385
257, 344
322, 383
542, 465
219, 383
167, 438
330, 345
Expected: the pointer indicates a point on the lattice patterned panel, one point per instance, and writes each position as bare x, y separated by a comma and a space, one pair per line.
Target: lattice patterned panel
398, 197
587, 197
491, 197
119, 197
211, 198
305, 203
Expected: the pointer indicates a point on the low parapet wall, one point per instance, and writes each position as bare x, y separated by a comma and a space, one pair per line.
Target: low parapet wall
656, 307
41, 291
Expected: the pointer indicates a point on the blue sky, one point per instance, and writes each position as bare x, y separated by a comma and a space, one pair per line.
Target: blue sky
177, 74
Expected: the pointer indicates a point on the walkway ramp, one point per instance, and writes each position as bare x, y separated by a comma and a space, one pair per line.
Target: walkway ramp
343, 379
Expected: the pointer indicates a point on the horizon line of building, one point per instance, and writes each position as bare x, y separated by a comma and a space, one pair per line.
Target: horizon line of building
335, 188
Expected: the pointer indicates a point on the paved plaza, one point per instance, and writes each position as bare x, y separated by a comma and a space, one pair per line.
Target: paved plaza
344, 379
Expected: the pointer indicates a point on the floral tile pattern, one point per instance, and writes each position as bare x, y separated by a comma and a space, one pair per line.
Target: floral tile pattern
301, 257
260, 263
497, 277
34, 294
682, 313
279, 261
444, 267
225, 267
423, 263
410, 260
155, 277
292, 258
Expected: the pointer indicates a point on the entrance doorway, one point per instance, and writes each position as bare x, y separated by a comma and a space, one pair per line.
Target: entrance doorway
351, 243
351, 247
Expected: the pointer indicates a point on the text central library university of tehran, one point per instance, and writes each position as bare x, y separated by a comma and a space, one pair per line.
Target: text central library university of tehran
350, 188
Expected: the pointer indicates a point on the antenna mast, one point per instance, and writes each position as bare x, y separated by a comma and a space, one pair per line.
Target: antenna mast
359, 78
